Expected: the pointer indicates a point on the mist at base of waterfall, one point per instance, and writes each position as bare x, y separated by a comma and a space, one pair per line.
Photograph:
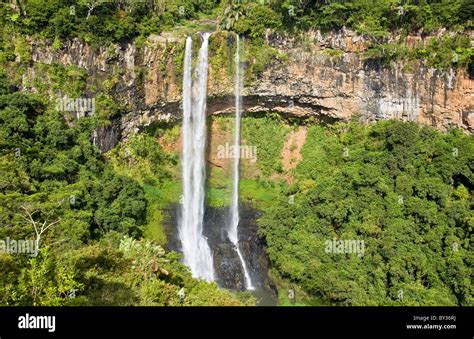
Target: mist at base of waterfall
227, 267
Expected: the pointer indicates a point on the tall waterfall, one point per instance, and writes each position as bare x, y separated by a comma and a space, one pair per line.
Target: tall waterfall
197, 254
234, 209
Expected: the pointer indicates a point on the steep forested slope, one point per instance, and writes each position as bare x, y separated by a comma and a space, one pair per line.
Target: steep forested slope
405, 191
56, 188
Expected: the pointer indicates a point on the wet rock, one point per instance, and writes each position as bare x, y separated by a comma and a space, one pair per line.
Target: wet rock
228, 268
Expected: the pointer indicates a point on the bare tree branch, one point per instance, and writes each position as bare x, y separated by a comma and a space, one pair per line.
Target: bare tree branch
39, 231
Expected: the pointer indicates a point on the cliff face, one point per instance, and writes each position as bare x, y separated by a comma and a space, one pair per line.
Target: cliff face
320, 75
344, 85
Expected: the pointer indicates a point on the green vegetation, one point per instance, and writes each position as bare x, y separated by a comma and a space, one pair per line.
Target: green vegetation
101, 22
132, 273
405, 190
256, 20
98, 219
261, 193
369, 17
141, 158
375, 18
440, 53
86, 217
268, 135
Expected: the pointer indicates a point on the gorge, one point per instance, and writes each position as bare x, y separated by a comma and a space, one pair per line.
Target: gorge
207, 156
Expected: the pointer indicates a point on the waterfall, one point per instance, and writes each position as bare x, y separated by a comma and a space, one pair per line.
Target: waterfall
234, 209
197, 254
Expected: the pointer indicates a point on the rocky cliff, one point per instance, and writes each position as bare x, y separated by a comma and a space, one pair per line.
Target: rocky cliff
317, 75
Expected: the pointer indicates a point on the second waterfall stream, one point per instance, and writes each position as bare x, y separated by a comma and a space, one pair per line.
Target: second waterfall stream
234, 208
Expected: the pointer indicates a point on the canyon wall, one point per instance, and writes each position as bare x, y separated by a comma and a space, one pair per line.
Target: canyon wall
320, 75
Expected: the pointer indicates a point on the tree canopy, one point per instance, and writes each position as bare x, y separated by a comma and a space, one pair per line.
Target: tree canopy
405, 190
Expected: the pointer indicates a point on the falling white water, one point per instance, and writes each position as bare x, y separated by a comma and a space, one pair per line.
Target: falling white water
234, 209
197, 254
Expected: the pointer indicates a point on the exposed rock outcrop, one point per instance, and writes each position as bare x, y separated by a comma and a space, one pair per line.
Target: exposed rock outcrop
310, 81
347, 85
227, 265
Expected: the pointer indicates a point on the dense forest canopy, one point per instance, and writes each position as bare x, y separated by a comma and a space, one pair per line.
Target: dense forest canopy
405, 191
96, 20
101, 22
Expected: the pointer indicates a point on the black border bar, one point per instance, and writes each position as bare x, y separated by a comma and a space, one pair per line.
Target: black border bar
164, 322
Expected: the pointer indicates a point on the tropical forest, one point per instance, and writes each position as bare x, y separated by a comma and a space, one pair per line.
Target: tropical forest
236, 153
